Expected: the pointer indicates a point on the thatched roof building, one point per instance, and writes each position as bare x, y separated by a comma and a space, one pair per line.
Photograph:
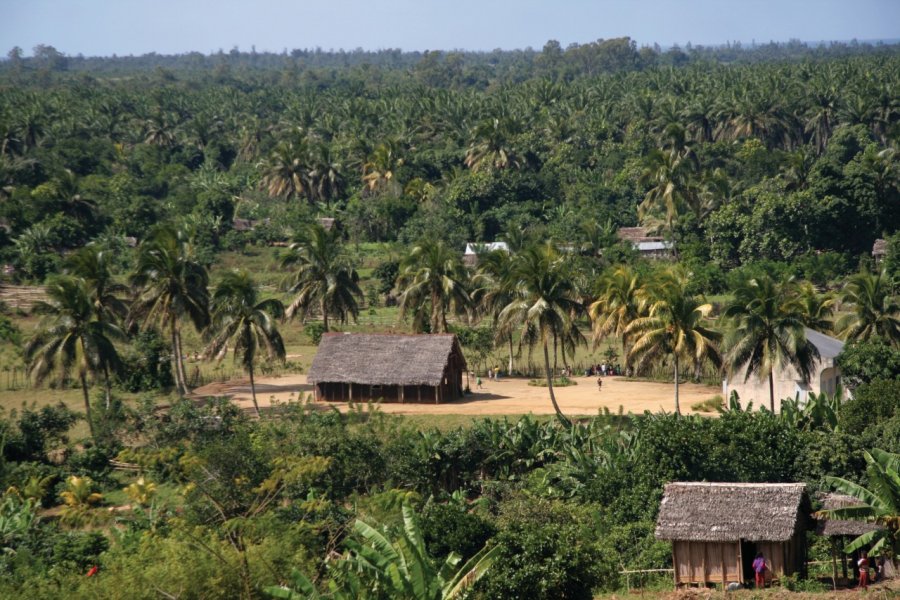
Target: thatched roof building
839, 527
722, 512
389, 367
717, 529
879, 249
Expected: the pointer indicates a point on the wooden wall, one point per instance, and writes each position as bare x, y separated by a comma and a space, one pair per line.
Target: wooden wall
707, 562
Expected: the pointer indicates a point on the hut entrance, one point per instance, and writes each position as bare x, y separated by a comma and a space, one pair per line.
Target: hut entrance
748, 553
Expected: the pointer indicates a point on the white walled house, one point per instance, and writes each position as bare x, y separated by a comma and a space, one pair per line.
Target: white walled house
824, 377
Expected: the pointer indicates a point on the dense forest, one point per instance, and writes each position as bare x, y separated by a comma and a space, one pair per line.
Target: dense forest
131, 188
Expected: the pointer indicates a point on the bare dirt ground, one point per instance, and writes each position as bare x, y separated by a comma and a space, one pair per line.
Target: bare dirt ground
504, 397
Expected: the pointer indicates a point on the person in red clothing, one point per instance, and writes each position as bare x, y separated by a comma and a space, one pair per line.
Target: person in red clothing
863, 564
759, 568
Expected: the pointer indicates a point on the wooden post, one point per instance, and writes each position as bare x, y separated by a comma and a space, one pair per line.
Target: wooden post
419, 389
675, 564
402, 393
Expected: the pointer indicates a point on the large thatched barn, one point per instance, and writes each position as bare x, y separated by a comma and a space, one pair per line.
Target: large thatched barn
716, 529
392, 368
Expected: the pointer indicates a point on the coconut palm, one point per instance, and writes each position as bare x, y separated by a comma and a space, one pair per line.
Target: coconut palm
674, 326
285, 173
768, 331
240, 319
545, 302
493, 290
873, 311
490, 147
879, 503
816, 309
618, 304
672, 187
171, 286
322, 278
432, 276
91, 264
71, 338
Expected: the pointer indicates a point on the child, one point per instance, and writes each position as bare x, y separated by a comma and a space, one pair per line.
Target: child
759, 568
863, 564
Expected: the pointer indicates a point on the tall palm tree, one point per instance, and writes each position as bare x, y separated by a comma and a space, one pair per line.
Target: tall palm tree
618, 304
490, 147
674, 326
874, 311
768, 331
545, 302
72, 338
285, 173
672, 187
240, 319
323, 278
433, 275
816, 309
493, 290
171, 285
91, 264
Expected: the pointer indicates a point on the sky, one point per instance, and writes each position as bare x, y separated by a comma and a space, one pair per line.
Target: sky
123, 27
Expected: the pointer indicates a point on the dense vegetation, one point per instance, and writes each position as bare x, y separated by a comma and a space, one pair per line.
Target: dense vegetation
773, 170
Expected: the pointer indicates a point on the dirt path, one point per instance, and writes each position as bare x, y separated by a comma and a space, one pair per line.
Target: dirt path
504, 397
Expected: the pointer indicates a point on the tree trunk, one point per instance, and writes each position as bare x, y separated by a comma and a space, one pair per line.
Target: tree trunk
108, 387
324, 315
179, 384
562, 418
87, 403
253, 389
771, 393
184, 380
555, 354
436, 311
677, 403
510, 342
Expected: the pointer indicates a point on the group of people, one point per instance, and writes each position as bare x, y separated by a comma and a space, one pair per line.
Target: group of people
760, 566
493, 373
602, 370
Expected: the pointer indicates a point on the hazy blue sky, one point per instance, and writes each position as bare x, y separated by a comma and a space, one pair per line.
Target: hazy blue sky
103, 27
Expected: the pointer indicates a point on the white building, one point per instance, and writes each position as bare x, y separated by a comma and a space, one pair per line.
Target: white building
473, 249
824, 377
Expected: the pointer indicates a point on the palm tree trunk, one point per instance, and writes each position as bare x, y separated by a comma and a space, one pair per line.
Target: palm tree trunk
87, 403
179, 384
324, 315
559, 415
555, 354
771, 393
253, 389
436, 312
677, 403
510, 342
108, 387
184, 379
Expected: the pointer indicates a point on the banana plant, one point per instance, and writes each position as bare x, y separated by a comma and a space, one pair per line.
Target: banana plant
879, 503
380, 565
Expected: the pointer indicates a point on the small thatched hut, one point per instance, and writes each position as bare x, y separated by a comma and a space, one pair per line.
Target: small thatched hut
387, 367
840, 531
716, 529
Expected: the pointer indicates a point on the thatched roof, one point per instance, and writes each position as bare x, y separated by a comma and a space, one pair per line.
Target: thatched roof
840, 527
383, 359
879, 248
637, 234
728, 512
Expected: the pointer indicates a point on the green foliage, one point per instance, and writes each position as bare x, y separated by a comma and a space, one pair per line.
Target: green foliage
548, 549
871, 403
314, 332
145, 363
864, 361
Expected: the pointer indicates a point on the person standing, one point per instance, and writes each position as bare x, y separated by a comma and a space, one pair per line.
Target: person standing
759, 569
863, 564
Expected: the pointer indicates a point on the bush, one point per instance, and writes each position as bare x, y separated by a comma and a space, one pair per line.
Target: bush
868, 360
314, 331
549, 550
452, 528
871, 403
146, 363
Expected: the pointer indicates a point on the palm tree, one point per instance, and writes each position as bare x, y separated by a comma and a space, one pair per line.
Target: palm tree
433, 275
873, 310
768, 331
879, 503
674, 326
490, 147
617, 305
172, 285
72, 338
672, 188
91, 264
493, 290
544, 304
285, 174
323, 278
239, 318
816, 309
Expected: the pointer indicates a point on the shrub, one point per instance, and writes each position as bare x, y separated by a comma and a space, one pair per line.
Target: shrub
314, 331
871, 403
452, 528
